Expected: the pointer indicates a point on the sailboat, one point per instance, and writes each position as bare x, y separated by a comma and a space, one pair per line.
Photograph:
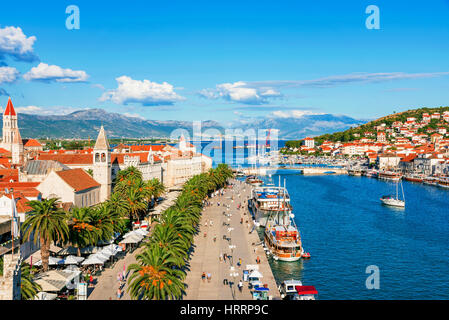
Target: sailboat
390, 200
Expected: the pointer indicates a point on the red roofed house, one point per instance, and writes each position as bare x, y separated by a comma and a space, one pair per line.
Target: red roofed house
74, 185
33, 145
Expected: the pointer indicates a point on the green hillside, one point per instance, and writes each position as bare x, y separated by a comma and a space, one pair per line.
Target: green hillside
356, 133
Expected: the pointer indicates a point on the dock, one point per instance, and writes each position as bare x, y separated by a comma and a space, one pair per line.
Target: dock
205, 257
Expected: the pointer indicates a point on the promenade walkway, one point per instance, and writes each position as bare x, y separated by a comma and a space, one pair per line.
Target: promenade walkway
205, 257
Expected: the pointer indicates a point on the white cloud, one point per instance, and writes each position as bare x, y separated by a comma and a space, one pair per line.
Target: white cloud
15, 43
8, 74
293, 113
52, 110
240, 92
144, 92
45, 72
358, 77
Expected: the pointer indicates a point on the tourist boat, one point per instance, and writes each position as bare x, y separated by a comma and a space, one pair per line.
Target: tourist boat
389, 175
294, 290
372, 173
239, 174
254, 181
355, 172
432, 181
267, 200
394, 201
414, 177
443, 182
282, 238
283, 241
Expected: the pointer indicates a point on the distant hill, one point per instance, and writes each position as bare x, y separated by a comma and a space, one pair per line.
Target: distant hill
86, 123
304, 126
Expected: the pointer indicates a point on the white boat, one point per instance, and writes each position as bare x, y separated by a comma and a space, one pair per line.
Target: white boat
390, 200
294, 290
443, 182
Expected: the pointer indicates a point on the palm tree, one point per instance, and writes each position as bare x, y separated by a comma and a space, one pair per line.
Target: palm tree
154, 278
28, 288
48, 224
175, 243
80, 230
102, 221
135, 202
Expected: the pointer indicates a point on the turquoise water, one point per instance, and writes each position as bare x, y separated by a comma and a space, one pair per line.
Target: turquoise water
345, 229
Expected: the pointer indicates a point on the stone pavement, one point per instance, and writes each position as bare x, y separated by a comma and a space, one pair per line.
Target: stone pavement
205, 257
107, 285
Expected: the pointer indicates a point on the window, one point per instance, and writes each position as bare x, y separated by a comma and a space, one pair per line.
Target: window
103, 157
97, 157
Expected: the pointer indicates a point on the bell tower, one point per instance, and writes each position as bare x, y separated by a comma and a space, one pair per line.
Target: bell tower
9, 126
102, 165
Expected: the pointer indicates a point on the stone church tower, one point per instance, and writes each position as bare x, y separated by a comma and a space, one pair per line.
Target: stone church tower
9, 126
17, 148
102, 165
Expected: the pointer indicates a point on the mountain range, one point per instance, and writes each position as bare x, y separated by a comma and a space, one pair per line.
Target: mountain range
86, 123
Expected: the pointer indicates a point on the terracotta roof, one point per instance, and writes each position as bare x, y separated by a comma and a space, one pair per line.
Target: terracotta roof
8, 174
2, 150
15, 185
68, 158
10, 109
148, 147
78, 179
32, 143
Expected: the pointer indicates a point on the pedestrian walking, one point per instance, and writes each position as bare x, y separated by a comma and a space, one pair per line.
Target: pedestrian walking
240, 285
209, 277
203, 276
119, 293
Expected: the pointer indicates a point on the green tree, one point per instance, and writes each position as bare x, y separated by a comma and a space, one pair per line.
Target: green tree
47, 223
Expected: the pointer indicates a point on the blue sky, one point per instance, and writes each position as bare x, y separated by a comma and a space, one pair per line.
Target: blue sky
200, 60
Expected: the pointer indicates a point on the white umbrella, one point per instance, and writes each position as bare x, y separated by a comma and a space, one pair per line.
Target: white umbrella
52, 261
73, 260
92, 260
132, 239
142, 232
90, 249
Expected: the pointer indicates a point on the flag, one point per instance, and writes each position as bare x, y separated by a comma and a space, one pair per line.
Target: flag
15, 218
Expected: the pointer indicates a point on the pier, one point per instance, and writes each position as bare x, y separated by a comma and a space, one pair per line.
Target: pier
244, 245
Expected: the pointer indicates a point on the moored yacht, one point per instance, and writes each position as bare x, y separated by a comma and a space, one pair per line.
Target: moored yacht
413, 177
268, 200
430, 180
254, 181
443, 182
390, 175
294, 290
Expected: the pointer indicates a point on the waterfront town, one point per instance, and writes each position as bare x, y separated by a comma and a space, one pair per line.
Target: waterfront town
410, 147
119, 223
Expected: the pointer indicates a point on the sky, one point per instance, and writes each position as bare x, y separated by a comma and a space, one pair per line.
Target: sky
225, 60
